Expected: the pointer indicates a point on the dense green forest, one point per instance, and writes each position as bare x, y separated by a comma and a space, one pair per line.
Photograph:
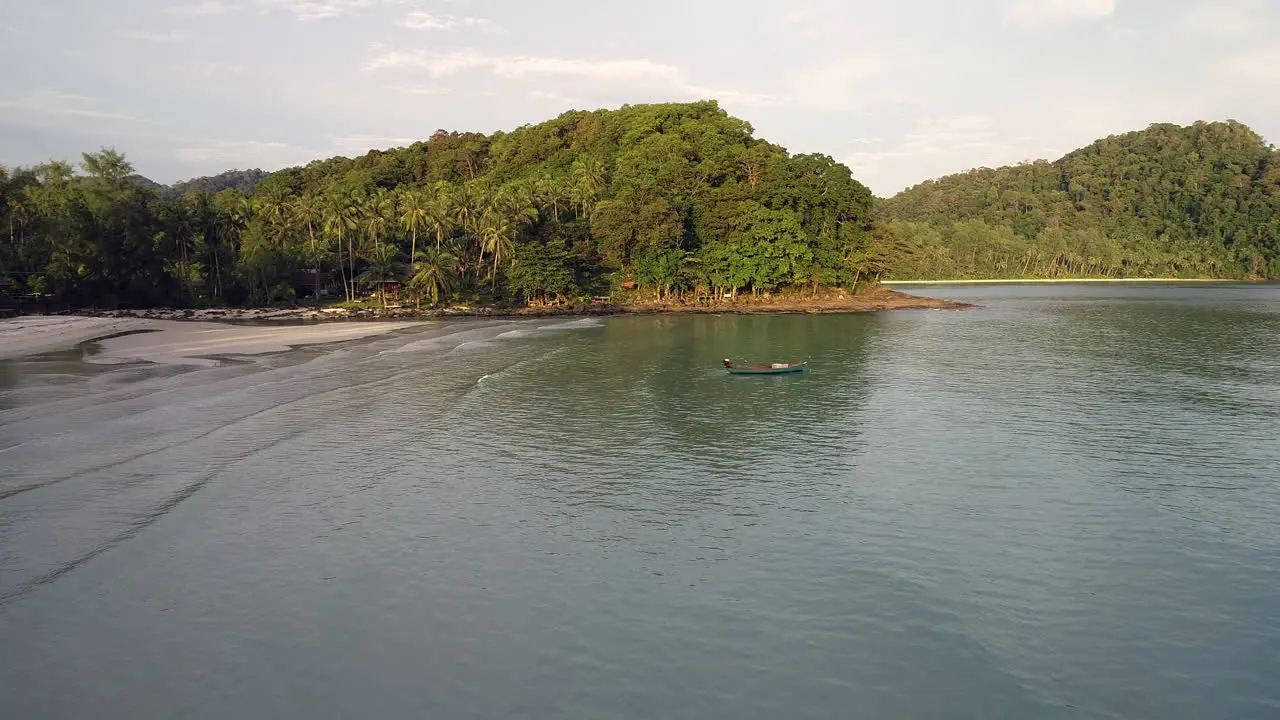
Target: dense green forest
1168, 201
244, 181
653, 201
650, 201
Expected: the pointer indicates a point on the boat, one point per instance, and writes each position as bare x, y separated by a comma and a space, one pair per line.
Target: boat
773, 369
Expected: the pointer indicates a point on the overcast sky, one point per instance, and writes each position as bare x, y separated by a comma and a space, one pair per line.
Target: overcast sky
901, 90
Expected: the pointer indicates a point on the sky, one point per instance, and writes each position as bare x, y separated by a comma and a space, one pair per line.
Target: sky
900, 91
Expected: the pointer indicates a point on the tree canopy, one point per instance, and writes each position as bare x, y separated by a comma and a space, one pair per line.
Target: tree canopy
1167, 201
657, 201
661, 199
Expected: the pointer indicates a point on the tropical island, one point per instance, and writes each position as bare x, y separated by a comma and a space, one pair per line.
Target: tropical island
666, 207
1201, 201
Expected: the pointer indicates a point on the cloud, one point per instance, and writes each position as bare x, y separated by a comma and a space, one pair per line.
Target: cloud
209, 7
210, 69
631, 74
423, 20
554, 98
1260, 65
322, 9
209, 154
44, 104
448, 64
240, 152
1226, 19
1044, 13
170, 36
854, 79
355, 145
935, 147
418, 90
806, 12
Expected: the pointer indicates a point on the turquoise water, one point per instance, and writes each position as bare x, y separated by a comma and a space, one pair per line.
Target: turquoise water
1062, 504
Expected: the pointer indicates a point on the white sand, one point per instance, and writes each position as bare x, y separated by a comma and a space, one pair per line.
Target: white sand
40, 334
172, 341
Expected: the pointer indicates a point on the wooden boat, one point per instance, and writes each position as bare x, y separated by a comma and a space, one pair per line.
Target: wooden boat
774, 369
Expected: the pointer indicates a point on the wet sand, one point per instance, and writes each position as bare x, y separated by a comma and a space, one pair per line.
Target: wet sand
171, 341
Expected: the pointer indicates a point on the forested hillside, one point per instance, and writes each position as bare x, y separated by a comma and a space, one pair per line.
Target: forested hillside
244, 181
1198, 201
661, 199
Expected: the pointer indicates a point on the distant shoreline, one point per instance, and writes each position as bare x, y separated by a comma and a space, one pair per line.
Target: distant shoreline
194, 336
1054, 281
833, 302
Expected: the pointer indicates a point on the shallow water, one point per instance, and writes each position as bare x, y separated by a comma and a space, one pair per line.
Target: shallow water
1062, 504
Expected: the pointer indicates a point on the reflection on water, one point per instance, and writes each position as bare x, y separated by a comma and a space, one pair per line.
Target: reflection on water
1059, 505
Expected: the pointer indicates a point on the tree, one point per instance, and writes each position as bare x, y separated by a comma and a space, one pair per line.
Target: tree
1166, 200
309, 213
497, 237
340, 220
415, 213
654, 198
383, 266
435, 271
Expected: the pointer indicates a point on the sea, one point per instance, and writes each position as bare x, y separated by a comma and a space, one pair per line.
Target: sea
1064, 503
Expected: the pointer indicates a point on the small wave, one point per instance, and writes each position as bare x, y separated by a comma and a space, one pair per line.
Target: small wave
516, 334
472, 345
574, 324
418, 346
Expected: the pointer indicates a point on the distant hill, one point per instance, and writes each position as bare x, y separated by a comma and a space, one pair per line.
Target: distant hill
149, 184
1202, 200
244, 181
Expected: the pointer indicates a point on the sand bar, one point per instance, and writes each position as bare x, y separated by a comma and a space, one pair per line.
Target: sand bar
33, 335
170, 341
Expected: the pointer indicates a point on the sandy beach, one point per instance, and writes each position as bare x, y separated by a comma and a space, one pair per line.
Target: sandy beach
200, 336
170, 341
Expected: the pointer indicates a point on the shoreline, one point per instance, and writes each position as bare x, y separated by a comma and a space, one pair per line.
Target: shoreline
200, 337
1054, 281
170, 342
831, 303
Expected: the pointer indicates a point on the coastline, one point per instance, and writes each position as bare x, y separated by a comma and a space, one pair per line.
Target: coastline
201, 336
171, 342
828, 303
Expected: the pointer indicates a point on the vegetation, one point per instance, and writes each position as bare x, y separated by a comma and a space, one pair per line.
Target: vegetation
654, 201
1168, 201
662, 200
242, 180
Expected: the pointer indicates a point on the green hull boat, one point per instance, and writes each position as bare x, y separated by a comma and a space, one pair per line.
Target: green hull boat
774, 369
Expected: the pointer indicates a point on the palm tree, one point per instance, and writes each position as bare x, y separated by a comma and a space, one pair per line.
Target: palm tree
378, 210
19, 216
275, 207
383, 266
548, 190
497, 237
307, 211
470, 210
589, 180
517, 204
440, 220
434, 274
415, 212
466, 208
339, 220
